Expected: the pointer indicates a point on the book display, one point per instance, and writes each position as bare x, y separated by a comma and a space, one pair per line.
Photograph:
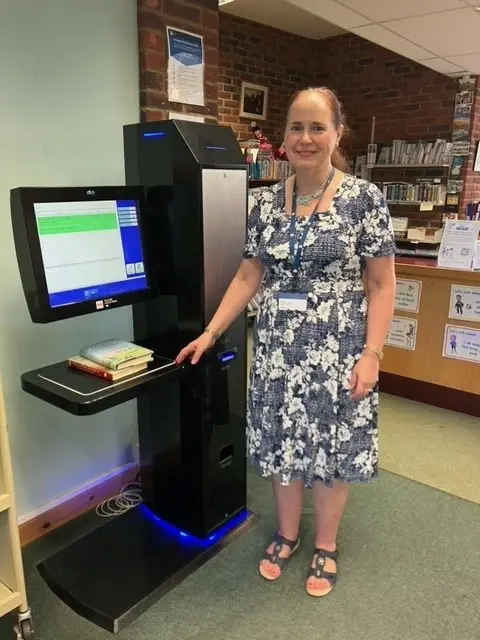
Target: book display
112, 359
413, 176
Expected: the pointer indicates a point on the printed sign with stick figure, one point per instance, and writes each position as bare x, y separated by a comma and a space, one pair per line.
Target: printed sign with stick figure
402, 333
464, 303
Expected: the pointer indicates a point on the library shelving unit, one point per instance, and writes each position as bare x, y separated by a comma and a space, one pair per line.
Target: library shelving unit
427, 248
12, 580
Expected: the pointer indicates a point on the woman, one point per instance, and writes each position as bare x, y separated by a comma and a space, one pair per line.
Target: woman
324, 241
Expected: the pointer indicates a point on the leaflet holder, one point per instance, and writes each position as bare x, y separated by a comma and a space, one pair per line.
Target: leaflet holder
173, 240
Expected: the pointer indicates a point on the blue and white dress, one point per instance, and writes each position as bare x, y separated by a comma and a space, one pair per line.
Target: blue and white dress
302, 423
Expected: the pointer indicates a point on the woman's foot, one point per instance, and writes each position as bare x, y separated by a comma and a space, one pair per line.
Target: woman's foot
275, 559
322, 575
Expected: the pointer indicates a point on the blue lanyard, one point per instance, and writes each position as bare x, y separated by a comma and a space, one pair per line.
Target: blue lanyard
297, 257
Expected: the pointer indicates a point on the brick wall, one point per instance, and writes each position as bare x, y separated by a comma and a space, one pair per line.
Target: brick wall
471, 184
153, 16
408, 100
262, 55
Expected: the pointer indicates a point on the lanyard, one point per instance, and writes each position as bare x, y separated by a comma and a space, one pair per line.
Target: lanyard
297, 257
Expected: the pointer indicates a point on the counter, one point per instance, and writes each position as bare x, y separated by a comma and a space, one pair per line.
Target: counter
424, 364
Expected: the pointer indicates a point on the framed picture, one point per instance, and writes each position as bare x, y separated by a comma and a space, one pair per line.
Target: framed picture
253, 101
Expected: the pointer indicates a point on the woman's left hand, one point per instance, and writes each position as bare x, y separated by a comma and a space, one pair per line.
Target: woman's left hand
364, 375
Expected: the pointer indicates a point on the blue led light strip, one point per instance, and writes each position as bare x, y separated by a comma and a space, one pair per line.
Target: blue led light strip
191, 540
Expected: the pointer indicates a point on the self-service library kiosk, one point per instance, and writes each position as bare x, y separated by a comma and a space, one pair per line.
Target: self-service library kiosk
168, 243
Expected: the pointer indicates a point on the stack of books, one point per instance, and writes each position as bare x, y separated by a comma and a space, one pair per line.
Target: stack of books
112, 359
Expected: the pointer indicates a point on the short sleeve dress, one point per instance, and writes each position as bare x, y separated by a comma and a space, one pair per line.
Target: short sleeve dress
301, 421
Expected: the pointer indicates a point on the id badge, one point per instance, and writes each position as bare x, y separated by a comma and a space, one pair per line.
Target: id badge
292, 301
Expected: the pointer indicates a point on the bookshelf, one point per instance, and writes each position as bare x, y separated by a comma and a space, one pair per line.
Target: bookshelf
265, 182
378, 165
413, 176
12, 580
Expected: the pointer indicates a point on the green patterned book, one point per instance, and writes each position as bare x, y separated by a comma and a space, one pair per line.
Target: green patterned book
116, 354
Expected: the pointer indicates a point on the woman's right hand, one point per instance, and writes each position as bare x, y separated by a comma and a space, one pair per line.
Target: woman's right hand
195, 349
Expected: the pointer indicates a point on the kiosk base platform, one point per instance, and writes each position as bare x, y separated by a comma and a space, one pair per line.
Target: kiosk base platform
113, 574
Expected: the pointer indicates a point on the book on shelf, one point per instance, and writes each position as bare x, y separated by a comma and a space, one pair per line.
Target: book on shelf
88, 366
116, 354
111, 359
430, 190
421, 152
269, 169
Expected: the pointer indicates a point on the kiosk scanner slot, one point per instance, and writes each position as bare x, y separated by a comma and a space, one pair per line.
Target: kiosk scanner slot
168, 243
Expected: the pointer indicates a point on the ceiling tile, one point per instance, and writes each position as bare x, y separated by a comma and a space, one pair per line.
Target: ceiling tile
470, 62
332, 12
442, 66
280, 14
381, 10
444, 34
384, 38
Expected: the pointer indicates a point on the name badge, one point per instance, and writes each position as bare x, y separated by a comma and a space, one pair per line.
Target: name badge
292, 301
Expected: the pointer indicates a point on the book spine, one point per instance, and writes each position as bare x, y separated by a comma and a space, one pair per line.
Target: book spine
96, 372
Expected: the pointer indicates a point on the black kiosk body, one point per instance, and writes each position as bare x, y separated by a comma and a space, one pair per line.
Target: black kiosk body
189, 183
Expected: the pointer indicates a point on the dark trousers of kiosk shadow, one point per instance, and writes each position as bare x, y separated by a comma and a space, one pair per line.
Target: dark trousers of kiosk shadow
191, 421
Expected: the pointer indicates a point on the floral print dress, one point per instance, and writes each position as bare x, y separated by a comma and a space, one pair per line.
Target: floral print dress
302, 422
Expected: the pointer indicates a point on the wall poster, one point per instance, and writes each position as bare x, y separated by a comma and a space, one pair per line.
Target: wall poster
407, 295
461, 343
186, 67
402, 333
464, 303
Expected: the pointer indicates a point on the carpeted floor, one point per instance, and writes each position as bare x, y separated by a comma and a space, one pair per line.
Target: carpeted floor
409, 570
430, 445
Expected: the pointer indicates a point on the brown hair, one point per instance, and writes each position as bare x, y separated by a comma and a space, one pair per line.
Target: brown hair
338, 159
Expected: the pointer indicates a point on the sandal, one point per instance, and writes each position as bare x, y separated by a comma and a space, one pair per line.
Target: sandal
318, 571
274, 556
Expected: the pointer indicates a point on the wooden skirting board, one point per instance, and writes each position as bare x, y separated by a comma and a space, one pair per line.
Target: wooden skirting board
71, 508
435, 395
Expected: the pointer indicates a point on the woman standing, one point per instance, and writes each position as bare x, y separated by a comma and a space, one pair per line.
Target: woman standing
325, 243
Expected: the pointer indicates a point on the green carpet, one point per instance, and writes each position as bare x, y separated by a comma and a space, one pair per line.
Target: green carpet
409, 569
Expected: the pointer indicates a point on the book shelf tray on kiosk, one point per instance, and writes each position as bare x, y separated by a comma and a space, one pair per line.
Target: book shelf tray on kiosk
82, 393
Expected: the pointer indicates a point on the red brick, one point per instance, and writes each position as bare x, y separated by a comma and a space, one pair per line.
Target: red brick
151, 40
152, 61
150, 4
182, 10
152, 80
210, 20
153, 115
150, 20
153, 99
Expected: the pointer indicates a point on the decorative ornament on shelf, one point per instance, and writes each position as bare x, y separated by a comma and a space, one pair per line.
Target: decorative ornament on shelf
280, 153
261, 138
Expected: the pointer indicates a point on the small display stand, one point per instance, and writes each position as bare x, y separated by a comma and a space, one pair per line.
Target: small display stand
84, 394
12, 581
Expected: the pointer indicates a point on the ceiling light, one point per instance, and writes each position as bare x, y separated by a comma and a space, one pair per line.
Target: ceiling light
220, 2
476, 8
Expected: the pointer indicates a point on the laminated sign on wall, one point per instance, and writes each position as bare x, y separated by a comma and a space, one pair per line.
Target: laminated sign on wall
186, 65
464, 303
462, 343
402, 333
407, 295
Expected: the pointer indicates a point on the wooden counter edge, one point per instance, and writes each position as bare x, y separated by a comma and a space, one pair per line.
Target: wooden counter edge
432, 271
